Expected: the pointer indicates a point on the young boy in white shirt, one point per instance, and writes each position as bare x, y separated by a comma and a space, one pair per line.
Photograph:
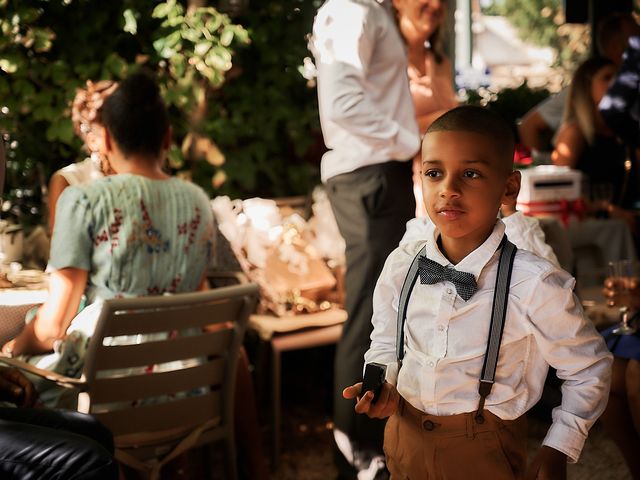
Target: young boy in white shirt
440, 425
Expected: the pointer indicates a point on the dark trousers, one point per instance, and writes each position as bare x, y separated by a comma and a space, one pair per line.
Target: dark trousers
372, 206
41, 444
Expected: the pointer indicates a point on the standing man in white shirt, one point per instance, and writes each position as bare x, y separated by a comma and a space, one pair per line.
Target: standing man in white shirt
369, 126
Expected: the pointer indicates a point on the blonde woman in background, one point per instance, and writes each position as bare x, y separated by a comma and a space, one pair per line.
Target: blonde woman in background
584, 141
430, 71
86, 115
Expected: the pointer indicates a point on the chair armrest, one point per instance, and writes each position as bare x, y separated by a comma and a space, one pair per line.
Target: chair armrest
63, 381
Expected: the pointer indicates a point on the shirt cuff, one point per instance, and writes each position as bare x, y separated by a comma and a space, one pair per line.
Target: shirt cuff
565, 440
392, 373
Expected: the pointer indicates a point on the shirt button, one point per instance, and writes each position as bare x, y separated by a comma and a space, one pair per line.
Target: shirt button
428, 425
449, 291
431, 364
440, 328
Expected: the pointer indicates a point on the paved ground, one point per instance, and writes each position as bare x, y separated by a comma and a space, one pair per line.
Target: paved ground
308, 451
307, 438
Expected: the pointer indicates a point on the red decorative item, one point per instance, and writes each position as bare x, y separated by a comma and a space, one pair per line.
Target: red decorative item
563, 209
522, 155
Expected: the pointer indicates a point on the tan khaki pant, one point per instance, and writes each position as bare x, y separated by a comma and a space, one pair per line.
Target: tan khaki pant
427, 447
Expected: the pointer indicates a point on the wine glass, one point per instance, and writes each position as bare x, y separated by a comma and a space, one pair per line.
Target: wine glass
601, 198
624, 276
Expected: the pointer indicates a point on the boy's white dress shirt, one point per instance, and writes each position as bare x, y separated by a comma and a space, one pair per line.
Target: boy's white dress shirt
366, 110
446, 339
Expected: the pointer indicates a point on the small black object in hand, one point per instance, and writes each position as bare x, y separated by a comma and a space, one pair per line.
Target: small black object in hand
374, 376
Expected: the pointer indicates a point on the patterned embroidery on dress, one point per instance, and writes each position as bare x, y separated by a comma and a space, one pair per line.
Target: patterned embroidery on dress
172, 288
101, 238
114, 228
152, 237
112, 234
192, 227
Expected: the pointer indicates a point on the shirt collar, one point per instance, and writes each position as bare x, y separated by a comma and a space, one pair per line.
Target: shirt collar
476, 260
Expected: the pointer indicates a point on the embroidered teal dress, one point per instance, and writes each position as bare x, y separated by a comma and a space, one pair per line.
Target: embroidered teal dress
135, 236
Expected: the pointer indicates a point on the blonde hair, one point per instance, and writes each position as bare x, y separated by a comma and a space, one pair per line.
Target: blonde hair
580, 107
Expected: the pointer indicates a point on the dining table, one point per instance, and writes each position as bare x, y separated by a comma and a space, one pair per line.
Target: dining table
584, 248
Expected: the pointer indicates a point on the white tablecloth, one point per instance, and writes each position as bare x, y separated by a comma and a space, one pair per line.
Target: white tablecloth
585, 248
611, 236
14, 304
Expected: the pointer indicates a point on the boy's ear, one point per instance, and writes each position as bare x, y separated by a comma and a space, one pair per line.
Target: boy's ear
512, 188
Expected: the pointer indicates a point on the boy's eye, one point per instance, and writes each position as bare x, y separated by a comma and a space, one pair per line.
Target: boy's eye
471, 174
432, 173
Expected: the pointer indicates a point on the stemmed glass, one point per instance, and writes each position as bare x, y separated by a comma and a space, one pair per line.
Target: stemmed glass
624, 276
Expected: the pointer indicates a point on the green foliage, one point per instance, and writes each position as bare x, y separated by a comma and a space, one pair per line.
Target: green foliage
235, 83
510, 103
194, 51
265, 119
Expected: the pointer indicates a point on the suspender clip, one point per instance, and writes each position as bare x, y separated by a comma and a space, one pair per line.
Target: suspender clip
484, 388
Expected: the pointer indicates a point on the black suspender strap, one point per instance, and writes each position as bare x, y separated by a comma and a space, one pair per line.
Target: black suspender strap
403, 302
498, 314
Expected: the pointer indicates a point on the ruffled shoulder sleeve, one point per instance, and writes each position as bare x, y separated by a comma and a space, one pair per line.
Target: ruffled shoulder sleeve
72, 241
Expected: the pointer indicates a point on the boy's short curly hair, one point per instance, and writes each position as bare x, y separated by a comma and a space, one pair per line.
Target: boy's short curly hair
471, 118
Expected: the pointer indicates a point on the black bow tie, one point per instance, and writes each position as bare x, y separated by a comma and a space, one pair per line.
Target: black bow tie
432, 272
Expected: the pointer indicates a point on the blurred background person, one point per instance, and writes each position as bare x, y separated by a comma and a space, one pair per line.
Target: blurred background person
585, 142
86, 116
368, 124
134, 233
621, 418
38, 443
421, 23
138, 232
620, 110
538, 126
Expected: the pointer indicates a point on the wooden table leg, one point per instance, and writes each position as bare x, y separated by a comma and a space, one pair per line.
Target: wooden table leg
316, 337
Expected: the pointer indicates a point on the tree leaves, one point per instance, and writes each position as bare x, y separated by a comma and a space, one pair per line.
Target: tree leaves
261, 117
130, 22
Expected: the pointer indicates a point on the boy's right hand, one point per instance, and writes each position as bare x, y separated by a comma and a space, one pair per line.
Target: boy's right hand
386, 405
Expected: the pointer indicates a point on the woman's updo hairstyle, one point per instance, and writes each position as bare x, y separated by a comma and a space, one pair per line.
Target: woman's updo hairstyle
86, 111
136, 117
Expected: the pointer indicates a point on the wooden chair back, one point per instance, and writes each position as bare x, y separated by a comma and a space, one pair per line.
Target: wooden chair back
173, 386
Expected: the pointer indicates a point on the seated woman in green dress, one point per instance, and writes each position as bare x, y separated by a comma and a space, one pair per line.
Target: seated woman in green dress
139, 232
